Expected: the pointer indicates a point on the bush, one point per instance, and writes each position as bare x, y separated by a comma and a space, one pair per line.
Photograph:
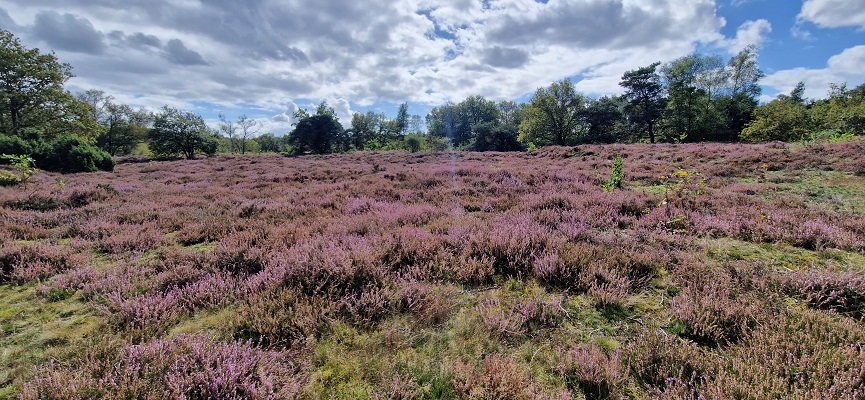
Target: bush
183, 367
69, 154
15, 145
598, 374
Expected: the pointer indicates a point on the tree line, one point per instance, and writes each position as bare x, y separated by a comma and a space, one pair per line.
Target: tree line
693, 98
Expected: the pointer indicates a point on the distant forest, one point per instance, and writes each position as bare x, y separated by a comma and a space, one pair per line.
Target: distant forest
691, 99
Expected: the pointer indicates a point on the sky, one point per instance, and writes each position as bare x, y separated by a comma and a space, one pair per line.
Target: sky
268, 58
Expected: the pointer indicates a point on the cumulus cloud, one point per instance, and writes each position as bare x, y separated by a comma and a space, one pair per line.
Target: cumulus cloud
423, 52
505, 57
68, 32
750, 32
833, 13
343, 110
288, 115
845, 67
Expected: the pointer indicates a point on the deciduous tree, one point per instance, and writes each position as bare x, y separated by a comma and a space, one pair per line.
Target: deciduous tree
554, 115
180, 132
320, 133
455, 121
31, 88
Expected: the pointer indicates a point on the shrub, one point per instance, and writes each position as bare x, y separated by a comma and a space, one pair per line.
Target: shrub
716, 311
598, 374
516, 318
142, 316
184, 367
427, 302
23, 166
617, 175
658, 358
15, 145
841, 292
24, 263
281, 317
69, 154
499, 377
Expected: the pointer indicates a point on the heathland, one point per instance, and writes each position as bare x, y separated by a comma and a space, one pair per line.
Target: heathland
597, 271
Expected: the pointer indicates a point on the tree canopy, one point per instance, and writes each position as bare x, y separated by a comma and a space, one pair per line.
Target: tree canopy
646, 102
39, 117
177, 132
554, 115
320, 133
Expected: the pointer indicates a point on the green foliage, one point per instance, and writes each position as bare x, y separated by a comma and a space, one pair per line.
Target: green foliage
645, 98
239, 134
554, 116
495, 137
780, 119
790, 118
15, 145
843, 111
33, 103
65, 153
744, 75
183, 133
70, 154
400, 127
121, 127
435, 143
32, 85
318, 134
456, 121
617, 175
22, 164
268, 143
691, 83
413, 143
605, 119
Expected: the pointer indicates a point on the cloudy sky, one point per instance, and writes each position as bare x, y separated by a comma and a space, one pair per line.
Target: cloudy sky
267, 58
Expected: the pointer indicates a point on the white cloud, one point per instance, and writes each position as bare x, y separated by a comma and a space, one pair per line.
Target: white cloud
833, 13
750, 32
359, 53
286, 116
845, 67
343, 110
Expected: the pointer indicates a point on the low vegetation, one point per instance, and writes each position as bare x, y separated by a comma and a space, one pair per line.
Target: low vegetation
706, 270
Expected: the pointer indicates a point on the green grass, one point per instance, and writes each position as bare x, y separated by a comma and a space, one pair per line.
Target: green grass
351, 362
782, 256
35, 330
835, 190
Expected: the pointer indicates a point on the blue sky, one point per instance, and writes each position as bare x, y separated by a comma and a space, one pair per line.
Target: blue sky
268, 58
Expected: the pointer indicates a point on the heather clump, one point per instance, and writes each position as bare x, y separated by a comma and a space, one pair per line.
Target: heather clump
281, 317
30, 262
713, 271
661, 360
841, 292
805, 354
144, 315
516, 318
497, 377
429, 303
599, 374
187, 366
512, 244
713, 307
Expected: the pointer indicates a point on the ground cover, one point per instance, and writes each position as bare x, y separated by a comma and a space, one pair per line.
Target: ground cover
714, 270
